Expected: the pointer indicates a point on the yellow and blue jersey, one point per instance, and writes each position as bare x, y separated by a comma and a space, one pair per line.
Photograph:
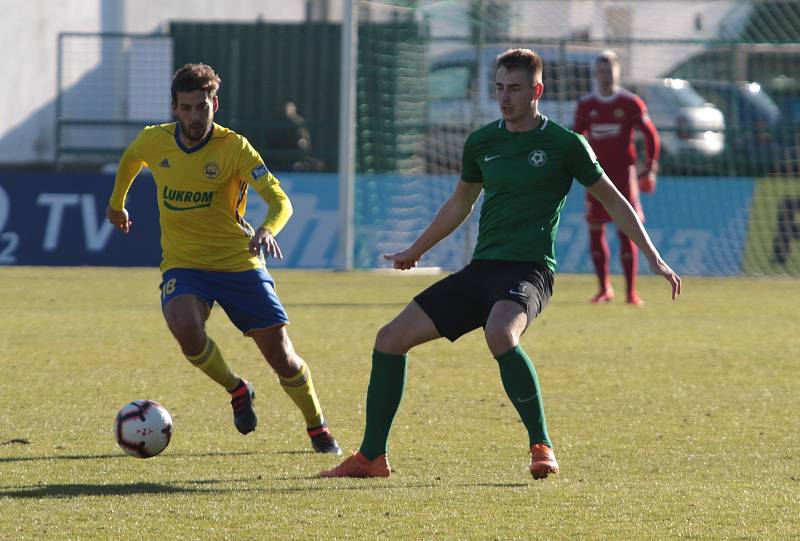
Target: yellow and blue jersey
202, 196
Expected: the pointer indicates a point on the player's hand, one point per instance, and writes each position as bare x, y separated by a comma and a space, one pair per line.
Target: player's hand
119, 219
264, 238
403, 260
659, 267
647, 181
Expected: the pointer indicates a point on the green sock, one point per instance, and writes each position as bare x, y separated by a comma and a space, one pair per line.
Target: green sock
522, 387
386, 384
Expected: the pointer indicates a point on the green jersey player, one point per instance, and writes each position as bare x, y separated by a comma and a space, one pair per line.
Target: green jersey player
525, 164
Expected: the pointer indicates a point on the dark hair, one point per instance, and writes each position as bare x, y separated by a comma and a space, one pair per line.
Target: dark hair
522, 59
193, 77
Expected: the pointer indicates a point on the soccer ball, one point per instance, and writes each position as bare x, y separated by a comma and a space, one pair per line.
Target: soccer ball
143, 428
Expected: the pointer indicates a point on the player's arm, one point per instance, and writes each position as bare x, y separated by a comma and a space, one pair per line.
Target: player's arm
628, 222
652, 149
278, 214
252, 168
580, 123
129, 167
452, 214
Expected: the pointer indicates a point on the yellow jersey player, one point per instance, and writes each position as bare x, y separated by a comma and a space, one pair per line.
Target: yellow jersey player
209, 252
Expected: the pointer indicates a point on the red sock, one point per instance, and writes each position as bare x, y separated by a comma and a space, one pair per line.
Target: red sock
600, 255
630, 261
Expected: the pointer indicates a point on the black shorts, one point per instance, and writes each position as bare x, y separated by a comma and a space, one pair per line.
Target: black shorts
462, 301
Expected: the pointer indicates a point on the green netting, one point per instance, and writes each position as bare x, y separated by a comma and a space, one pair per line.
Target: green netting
773, 21
721, 79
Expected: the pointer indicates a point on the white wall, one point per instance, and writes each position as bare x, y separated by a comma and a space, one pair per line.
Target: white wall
149, 15
28, 33
604, 19
636, 19
28, 38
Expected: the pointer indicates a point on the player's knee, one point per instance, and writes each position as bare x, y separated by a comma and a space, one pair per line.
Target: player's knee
595, 227
626, 251
284, 361
278, 351
389, 339
189, 333
499, 340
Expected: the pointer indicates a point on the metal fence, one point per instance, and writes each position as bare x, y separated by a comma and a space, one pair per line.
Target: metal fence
109, 87
727, 110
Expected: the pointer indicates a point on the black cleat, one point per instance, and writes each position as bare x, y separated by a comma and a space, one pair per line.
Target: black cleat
323, 441
242, 401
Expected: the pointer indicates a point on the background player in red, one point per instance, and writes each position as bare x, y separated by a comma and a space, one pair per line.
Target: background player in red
607, 118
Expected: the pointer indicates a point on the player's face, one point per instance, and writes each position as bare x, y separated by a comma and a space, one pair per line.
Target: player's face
607, 76
515, 91
195, 113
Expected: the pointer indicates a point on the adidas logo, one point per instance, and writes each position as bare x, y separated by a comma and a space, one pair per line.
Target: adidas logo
164, 163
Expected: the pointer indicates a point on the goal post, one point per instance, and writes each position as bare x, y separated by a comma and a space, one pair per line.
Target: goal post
347, 133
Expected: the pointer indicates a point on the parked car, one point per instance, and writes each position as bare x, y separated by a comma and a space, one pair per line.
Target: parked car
692, 130
755, 129
461, 94
461, 98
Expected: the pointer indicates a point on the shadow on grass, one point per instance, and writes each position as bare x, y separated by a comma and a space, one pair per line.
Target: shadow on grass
331, 485
341, 304
84, 489
120, 455
57, 457
205, 486
493, 485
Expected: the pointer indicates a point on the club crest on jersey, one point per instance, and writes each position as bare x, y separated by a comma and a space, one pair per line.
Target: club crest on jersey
619, 113
211, 170
537, 158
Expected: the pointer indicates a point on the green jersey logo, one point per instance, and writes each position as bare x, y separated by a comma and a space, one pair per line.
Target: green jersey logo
189, 200
537, 158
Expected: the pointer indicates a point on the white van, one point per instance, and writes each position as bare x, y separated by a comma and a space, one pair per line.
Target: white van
461, 94
689, 126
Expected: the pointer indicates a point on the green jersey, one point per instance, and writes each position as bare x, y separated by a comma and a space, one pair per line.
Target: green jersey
526, 177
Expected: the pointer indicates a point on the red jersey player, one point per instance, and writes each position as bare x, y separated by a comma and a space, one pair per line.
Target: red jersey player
607, 118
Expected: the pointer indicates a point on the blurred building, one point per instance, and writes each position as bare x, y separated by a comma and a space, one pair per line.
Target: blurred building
653, 37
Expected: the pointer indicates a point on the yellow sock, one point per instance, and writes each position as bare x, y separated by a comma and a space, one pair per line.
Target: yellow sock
210, 361
300, 389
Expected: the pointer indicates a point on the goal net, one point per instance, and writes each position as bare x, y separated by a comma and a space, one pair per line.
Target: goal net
721, 81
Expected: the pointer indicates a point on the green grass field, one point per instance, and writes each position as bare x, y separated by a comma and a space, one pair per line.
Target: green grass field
678, 420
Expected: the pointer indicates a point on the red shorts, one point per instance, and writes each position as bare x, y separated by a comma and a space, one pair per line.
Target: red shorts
627, 183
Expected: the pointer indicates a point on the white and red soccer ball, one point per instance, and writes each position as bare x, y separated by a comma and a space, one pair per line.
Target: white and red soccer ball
143, 428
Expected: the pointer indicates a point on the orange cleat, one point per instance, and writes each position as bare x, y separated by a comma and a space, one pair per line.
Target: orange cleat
635, 299
359, 466
543, 461
604, 296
